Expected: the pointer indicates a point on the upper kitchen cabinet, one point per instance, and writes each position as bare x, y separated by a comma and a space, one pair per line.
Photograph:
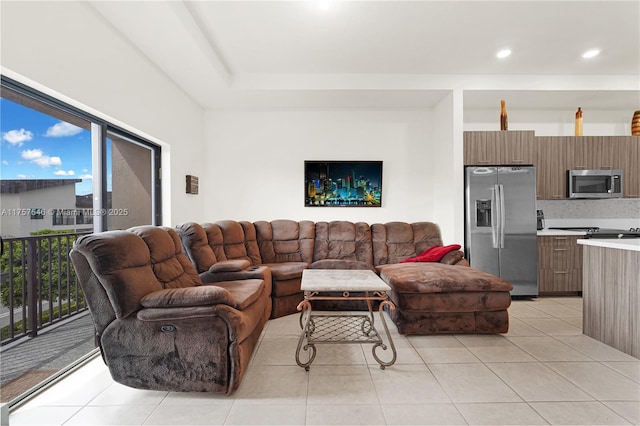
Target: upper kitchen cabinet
608, 152
628, 159
552, 167
554, 155
557, 154
593, 152
499, 148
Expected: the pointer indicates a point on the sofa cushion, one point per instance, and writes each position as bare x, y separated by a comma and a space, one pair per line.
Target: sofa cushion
189, 296
122, 263
251, 242
395, 241
432, 254
196, 245
343, 240
340, 264
438, 277
230, 239
285, 240
170, 265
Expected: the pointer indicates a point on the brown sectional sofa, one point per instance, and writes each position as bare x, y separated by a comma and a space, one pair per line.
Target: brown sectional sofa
182, 309
435, 297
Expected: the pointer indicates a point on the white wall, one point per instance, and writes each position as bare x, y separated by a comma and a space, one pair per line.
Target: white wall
68, 50
552, 122
256, 163
448, 169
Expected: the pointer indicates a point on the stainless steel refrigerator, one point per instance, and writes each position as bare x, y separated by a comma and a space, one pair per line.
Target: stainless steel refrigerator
500, 224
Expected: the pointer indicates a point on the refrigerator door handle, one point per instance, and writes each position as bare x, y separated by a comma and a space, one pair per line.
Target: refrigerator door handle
495, 215
503, 215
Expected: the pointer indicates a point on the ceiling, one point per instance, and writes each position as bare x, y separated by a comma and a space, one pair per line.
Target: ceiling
388, 54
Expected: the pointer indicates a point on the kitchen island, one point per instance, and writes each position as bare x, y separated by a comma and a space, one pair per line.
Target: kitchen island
611, 292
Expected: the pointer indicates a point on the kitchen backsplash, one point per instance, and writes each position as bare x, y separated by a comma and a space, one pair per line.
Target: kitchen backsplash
618, 213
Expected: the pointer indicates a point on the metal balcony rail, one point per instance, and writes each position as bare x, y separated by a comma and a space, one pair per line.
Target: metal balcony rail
38, 285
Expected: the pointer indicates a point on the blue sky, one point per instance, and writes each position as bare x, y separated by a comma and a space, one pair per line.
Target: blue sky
38, 146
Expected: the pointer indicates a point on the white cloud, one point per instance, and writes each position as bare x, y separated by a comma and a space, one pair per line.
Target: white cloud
32, 154
86, 176
17, 137
36, 156
5, 163
64, 173
21, 176
62, 129
46, 161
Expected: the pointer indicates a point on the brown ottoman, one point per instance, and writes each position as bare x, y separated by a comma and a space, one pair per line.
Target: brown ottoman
434, 298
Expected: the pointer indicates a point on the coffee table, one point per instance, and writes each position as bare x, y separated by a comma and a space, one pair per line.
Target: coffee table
345, 327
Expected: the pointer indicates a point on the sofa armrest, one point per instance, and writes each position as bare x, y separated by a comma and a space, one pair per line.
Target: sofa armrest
453, 258
188, 297
175, 314
233, 265
253, 272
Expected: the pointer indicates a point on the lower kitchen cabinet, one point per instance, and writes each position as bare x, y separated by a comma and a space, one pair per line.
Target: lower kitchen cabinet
559, 265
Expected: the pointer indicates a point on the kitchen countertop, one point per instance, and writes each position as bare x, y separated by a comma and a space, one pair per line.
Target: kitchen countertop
552, 232
632, 244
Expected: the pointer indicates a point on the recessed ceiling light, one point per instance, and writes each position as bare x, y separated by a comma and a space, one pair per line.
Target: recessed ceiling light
591, 53
503, 53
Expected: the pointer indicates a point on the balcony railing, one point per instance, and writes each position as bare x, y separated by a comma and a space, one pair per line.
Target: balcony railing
38, 285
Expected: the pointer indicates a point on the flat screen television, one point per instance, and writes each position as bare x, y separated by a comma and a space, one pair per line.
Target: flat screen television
343, 183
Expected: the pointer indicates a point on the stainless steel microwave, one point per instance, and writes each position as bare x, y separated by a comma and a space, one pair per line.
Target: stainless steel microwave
594, 183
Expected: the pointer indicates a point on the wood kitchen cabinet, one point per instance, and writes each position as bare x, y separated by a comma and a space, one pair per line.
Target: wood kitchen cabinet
593, 152
628, 159
557, 154
551, 170
559, 265
554, 155
513, 147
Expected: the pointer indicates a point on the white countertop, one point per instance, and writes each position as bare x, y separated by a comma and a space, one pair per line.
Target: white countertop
552, 232
632, 244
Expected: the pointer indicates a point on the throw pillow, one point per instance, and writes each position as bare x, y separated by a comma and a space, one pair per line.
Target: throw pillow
433, 254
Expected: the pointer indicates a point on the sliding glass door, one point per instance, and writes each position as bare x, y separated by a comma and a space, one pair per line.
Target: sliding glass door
63, 173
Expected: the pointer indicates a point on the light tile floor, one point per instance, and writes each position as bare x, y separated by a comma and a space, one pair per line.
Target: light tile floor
544, 371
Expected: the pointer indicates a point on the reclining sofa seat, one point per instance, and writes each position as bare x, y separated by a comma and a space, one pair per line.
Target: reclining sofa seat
437, 297
286, 248
277, 251
223, 249
342, 245
157, 326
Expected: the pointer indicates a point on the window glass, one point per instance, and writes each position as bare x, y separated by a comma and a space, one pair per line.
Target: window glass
46, 168
130, 183
63, 173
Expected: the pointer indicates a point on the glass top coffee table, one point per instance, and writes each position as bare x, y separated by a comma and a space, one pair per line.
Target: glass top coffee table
343, 327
